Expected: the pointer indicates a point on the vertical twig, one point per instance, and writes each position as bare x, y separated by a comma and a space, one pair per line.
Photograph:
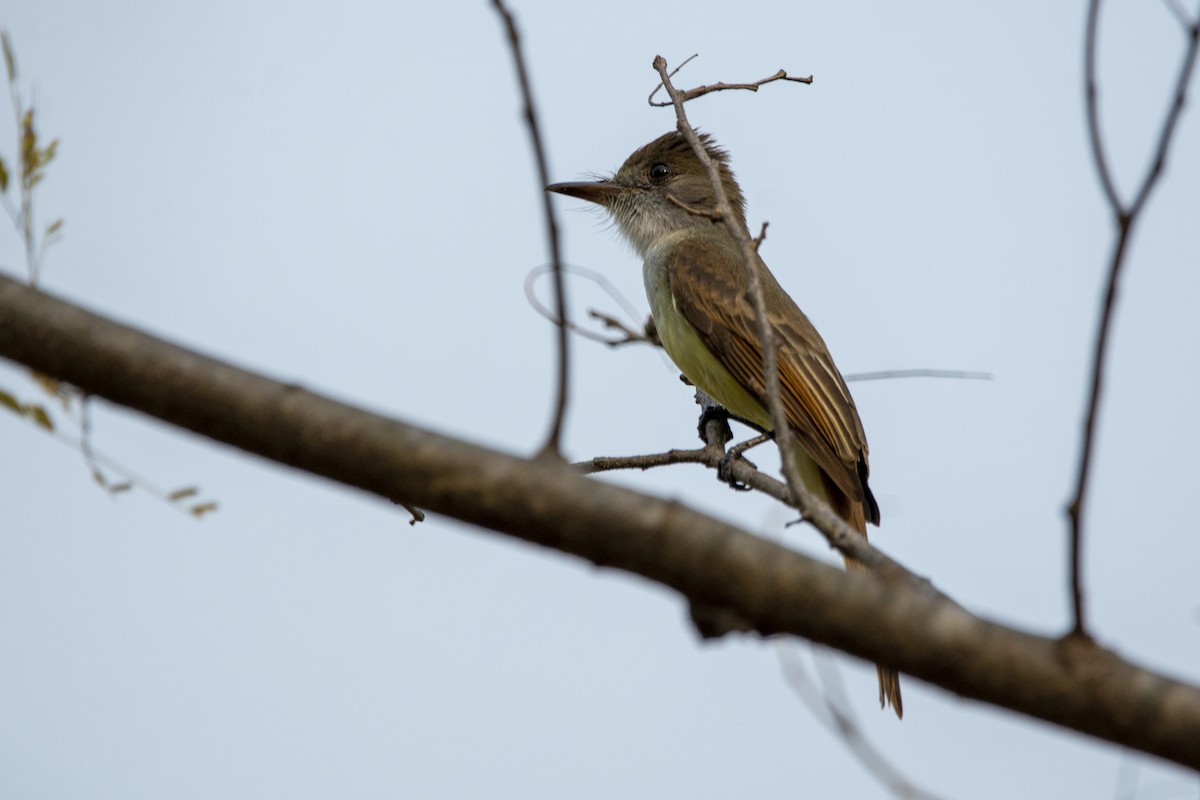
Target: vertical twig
1124, 217
839, 533
783, 432
1091, 94
22, 215
551, 447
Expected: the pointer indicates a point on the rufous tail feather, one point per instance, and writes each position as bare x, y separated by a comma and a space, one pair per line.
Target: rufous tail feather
889, 679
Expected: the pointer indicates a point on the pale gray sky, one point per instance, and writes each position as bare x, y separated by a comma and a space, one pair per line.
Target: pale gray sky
342, 195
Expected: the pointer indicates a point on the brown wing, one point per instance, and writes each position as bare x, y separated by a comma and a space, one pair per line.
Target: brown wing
708, 284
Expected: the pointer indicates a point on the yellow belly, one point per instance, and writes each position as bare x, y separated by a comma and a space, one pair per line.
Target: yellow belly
685, 347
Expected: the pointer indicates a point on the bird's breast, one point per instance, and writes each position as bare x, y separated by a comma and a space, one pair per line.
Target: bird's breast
688, 350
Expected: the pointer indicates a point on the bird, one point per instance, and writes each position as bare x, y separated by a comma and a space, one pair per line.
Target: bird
662, 201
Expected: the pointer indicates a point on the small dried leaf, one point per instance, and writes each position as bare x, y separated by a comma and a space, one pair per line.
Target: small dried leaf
99, 478
54, 387
120, 487
54, 227
28, 143
181, 494
200, 509
10, 59
39, 415
49, 385
3, 176
11, 402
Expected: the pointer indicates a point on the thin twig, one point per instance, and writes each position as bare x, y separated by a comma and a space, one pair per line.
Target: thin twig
648, 335
1125, 219
766, 336
1180, 13
417, 514
840, 534
30, 162
1170, 123
833, 713
1091, 96
643, 462
630, 335
700, 91
551, 447
714, 433
738, 449
890, 374
682, 64
762, 236
97, 461
708, 456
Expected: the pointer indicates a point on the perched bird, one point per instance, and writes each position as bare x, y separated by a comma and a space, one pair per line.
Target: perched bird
696, 283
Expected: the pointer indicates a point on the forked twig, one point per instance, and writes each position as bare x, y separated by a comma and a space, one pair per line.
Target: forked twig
1124, 217
699, 91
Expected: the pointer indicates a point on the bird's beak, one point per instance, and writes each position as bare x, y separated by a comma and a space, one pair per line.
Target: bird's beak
599, 192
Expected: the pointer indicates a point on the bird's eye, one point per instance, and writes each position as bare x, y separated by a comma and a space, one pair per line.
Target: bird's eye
659, 172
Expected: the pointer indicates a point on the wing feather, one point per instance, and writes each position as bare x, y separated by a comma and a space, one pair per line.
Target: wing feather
708, 286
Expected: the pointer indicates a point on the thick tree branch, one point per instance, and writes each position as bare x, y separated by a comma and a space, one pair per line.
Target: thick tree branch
1071, 683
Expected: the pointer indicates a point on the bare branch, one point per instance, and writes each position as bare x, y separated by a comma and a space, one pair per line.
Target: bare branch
700, 91
682, 64
891, 374
1071, 683
101, 466
840, 533
417, 514
644, 462
1092, 99
1171, 122
1124, 220
739, 473
1181, 15
836, 717
647, 335
630, 335
551, 447
738, 449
